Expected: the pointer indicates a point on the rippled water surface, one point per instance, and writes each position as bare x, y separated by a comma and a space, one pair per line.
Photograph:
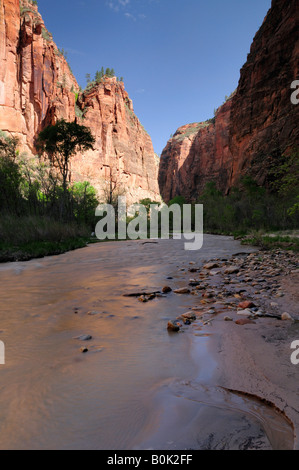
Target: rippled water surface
54, 397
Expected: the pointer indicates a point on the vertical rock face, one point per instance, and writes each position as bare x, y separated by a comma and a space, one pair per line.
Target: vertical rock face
37, 88
258, 123
35, 80
197, 153
123, 152
264, 122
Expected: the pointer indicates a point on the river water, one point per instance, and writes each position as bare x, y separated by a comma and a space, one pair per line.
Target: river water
138, 386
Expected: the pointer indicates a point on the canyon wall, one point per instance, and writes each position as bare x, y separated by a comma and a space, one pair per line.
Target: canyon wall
127, 160
37, 88
257, 124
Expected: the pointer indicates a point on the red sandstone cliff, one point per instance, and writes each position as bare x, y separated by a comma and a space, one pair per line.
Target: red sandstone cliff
258, 123
123, 149
37, 87
35, 80
197, 153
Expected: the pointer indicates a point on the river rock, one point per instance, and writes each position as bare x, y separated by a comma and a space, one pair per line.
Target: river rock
228, 319
166, 289
244, 313
211, 266
183, 290
232, 270
151, 296
286, 316
83, 337
189, 315
173, 326
246, 304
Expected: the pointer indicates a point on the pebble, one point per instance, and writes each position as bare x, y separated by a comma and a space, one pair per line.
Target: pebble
286, 316
173, 326
84, 350
183, 290
228, 319
189, 315
232, 270
246, 304
83, 337
166, 289
211, 266
245, 312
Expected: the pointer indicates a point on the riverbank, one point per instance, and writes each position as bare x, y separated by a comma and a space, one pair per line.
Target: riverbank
247, 305
10, 252
253, 345
39, 249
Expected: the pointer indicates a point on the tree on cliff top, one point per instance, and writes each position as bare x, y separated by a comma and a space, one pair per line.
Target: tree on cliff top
61, 142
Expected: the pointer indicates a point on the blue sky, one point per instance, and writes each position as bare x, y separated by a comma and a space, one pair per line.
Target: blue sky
179, 58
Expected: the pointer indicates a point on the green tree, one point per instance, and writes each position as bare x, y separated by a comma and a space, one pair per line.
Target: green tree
98, 76
84, 202
10, 175
61, 142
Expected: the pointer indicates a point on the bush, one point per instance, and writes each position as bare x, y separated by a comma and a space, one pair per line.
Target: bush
247, 207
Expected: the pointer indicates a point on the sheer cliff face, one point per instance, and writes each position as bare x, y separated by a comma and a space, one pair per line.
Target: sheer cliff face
37, 88
256, 124
35, 80
123, 152
197, 153
264, 122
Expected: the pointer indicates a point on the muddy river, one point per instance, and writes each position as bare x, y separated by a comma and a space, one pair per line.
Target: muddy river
137, 387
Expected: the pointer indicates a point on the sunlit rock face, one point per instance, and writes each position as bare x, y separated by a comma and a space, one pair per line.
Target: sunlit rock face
258, 123
123, 149
37, 88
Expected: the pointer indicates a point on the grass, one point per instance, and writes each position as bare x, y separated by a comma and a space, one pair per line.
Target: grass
272, 241
38, 249
30, 237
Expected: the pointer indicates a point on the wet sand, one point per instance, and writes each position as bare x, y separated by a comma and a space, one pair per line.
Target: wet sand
137, 386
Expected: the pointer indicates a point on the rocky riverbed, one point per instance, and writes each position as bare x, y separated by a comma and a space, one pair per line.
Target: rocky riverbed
248, 305
245, 287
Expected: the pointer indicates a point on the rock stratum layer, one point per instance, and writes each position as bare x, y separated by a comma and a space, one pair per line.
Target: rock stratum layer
257, 124
37, 88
